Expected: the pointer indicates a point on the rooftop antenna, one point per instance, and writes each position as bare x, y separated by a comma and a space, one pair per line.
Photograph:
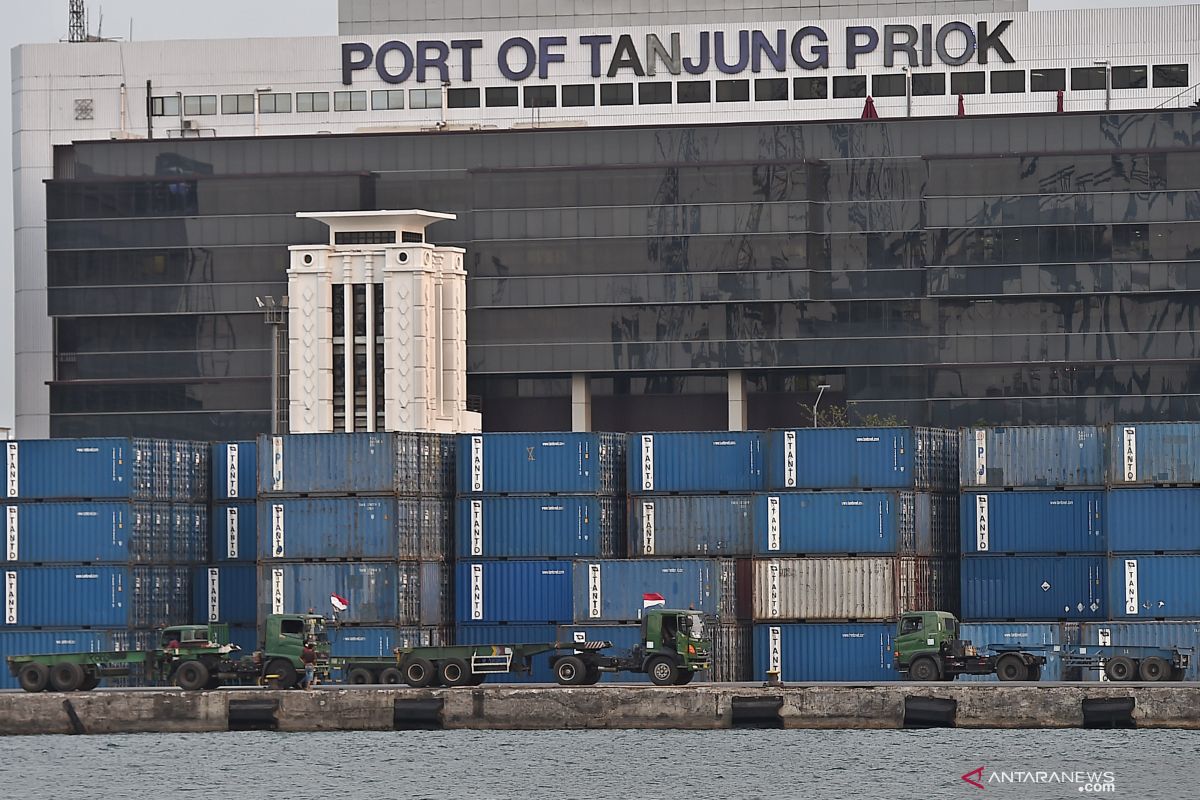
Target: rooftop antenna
78, 22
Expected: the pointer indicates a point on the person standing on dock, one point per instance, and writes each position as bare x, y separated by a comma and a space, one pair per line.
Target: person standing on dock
308, 657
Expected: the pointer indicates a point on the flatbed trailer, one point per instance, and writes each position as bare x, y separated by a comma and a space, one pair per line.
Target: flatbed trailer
1128, 663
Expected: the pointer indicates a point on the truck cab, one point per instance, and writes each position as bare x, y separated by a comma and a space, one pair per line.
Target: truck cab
927, 648
284, 636
674, 645
923, 633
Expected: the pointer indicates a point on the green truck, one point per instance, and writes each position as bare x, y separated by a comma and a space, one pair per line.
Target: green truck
673, 647
927, 648
191, 657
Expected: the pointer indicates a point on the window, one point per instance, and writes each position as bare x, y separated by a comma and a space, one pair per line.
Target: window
770, 89
237, 104
275, 103
1047, 80
1170, 76
693, 91
291, 627
811, 88
583, 94
850, 86
1129, 78
929, 83
733, 91
967, 83
1008, 81
887, 85
365, 237
616, 94
412, 237
1088, 78
654, 93
198, 105
352, 101
541, 96
387, 100
462, 98
164, 106
312, 101
500, 96
910, 625
424, 98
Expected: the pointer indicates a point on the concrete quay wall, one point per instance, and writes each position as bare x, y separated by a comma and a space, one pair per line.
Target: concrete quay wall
696, 707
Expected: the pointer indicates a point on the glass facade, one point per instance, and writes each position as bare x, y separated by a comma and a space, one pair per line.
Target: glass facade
1038, 269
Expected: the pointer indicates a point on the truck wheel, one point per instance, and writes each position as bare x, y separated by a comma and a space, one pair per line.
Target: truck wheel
454, 672
418, 673
1120, 668
213, 683
90, 681
391, 677
34, 677
570, 671
1035, 672
477, 680
1011, 668
923, 669
66, 677
685, 677
1154, 669
663, 671
593, 675
191, 676
359, 676
283, 672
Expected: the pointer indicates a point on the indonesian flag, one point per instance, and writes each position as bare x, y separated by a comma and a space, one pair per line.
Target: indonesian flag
338, 602
652, 599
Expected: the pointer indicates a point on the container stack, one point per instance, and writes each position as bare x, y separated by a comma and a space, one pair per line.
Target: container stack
529, 506
692, 497
226, 589
101, 539
1153, 538
357, 526
856, 526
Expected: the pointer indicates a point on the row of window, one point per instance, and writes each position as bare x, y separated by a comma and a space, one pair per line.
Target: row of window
1161, 76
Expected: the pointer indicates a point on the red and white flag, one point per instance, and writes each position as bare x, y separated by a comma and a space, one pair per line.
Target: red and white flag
651, 599
338, 602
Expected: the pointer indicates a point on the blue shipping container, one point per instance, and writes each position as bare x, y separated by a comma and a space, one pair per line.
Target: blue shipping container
226, 593
425, 462
327, 463
364, 642
1033, 588
1145, 634
1033, 522
245, 637
96, 596
905, 523
29, 643
1041, 637
801, 651
691, 525
1032, 457
513, 634
425, 528
92, 532
1153, 452
378, 593
234, 471
562, 526
328, 527
234, 532
863, 458
85, 469
513, 591
540, 463
1154, 587
713, 461
1153, 520
612, 591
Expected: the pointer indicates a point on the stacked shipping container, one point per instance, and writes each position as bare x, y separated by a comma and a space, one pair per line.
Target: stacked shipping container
362, 520
856, 526
226, 589
101, 537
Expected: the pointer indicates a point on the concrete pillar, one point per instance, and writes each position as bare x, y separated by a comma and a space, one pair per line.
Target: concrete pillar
738, 406
581, 402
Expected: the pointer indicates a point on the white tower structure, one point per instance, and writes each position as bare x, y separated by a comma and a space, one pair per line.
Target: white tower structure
377, 328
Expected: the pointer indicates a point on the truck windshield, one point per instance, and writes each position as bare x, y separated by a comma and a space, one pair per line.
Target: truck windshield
693, 625
314, 629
